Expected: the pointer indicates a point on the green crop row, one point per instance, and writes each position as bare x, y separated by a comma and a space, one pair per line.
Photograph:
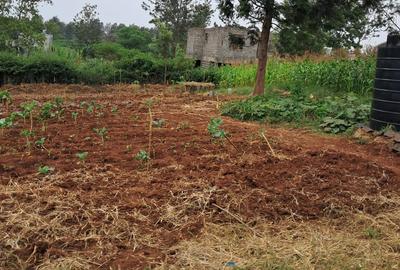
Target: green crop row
341, 75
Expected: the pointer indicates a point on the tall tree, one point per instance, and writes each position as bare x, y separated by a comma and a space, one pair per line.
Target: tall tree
20, 24
266, 13
135, 37
180, 15
88, 28
55, 27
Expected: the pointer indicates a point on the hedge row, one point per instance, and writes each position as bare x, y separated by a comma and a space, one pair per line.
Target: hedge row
52, 68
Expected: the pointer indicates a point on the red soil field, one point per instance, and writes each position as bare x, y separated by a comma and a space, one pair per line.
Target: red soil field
116, 212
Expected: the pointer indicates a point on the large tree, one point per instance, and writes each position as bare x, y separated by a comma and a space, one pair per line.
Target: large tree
135, 37
20, 24
266, 13
88, 29
180, 15
56, 28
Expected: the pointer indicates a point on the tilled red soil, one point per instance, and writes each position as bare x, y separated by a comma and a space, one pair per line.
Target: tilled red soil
115, 211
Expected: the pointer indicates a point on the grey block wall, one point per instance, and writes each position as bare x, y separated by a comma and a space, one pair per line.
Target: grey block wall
212, 45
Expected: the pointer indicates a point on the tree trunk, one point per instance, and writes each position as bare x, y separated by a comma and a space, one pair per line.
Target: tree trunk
263, 56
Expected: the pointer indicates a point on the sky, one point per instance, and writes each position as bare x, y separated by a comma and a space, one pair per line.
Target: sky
124, 11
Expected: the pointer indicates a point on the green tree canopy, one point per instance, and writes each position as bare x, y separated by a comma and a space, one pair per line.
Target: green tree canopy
88, 29
134, 37
20, 24
180, 15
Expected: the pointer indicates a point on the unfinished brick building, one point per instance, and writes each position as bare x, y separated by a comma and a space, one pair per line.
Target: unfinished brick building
220, 46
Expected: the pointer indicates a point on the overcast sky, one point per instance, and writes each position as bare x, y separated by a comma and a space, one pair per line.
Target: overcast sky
119, 11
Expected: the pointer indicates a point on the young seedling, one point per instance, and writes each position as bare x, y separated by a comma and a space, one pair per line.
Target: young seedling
45, 170
6, 123
5, 99
102, 133
214, 129
28, 110
82, 106
82, 156
114, 110
28, 135
46, 112
74, 116
41, 145
58, 101
158, 123
142, 156
90, 108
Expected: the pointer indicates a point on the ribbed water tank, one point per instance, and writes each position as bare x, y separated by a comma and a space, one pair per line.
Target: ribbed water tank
386, 100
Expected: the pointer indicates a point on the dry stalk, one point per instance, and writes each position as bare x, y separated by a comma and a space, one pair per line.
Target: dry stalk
269, 145
150, 133
229, 140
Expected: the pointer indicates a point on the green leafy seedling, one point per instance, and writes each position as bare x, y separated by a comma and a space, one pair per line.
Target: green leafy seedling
214, 128
143, 156
28, 108
158, 123
216, 132
45, 170
40, 143
6, 123
114, 110
90, 108
74, 116
5, 98
102, 133
82, 156
28, 135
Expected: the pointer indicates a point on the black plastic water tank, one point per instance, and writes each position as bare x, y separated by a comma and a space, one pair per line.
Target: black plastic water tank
386, 100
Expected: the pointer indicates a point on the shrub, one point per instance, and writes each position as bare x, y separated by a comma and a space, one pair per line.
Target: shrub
96, 71
109, 51
332, 114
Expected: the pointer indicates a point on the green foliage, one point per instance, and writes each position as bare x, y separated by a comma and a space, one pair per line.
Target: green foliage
109, 51
46, 111
339, 75
214, 128
102, 133
21, 25
179, 16
82, 156
96, 71
134, 37
158, 123
88, 29
5, 97
74, 116
143, 156
372, 233
40, 143
45, 170
333, 115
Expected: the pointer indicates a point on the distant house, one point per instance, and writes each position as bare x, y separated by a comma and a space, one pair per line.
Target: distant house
220, 46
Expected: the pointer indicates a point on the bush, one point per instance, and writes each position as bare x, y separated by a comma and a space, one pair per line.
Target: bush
36, 68
96, 71
332, 114
109, 51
